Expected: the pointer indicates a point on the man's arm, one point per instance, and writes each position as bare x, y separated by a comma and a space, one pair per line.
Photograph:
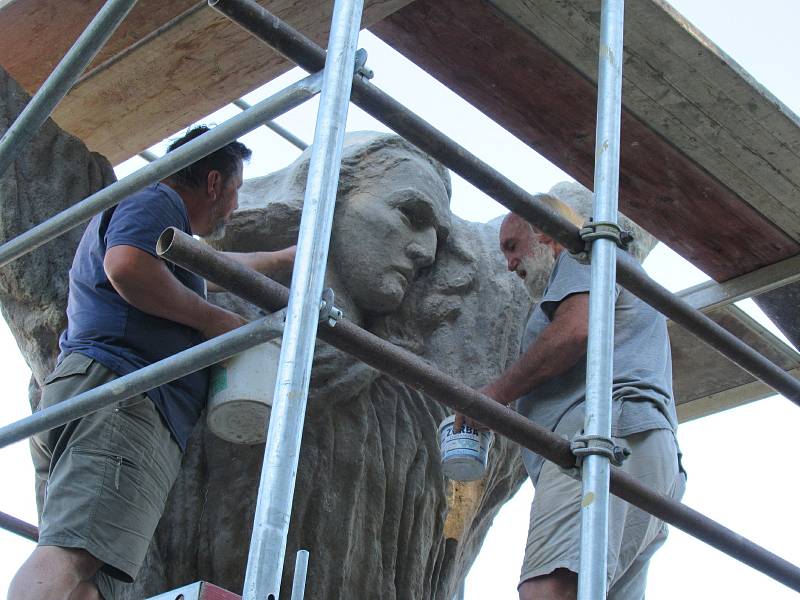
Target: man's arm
147, 283
557, 349
272, 264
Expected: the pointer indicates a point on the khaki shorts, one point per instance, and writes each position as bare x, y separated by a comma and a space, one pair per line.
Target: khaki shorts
107, 475
634, 535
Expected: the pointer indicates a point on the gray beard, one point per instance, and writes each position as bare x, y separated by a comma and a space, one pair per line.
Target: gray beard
538, 264
218, 233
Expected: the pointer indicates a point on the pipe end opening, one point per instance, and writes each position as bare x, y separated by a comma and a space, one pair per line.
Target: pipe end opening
165, 241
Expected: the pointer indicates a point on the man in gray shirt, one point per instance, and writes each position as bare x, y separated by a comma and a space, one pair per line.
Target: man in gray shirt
548, 382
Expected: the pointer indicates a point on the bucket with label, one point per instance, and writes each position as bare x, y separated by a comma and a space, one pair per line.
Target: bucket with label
464, 454
240, 394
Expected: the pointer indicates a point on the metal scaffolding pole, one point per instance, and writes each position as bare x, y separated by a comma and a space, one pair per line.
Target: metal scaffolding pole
281, 131
596, 468
148, 156
281, 455
62, 78
298, 48
216, 138
411, 370
174, 367
300, 574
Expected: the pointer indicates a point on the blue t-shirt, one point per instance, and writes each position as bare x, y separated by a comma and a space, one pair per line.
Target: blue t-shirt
103, 326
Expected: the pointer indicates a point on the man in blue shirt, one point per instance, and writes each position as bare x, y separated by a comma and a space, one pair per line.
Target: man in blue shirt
108, 474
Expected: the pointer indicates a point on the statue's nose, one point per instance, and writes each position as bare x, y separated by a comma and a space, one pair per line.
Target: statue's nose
421, 255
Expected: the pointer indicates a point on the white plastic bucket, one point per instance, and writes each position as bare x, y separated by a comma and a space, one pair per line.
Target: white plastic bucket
240, 394
464, 454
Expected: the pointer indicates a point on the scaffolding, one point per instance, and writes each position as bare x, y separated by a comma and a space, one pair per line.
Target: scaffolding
300, 317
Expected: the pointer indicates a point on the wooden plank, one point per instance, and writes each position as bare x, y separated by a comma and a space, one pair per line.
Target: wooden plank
704, 381
35, 34
500, 66
683, 86
167, 72
710, 294
724, 400
696, 96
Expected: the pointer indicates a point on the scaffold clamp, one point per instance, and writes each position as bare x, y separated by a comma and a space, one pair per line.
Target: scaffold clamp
361, 64
327, 311
584, 445
605, 230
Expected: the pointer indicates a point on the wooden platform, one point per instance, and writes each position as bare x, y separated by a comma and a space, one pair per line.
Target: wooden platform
168, 65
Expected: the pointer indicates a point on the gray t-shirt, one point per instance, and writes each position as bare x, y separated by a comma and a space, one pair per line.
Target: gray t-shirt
642, 373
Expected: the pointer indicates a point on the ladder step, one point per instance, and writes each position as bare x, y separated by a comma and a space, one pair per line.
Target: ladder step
199, 590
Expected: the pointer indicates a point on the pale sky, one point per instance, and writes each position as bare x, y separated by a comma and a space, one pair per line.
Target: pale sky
736, 460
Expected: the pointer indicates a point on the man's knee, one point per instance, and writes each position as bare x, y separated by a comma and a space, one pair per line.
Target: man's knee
561, 584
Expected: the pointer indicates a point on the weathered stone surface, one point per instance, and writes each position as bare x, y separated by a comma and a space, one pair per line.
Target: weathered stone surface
52, 172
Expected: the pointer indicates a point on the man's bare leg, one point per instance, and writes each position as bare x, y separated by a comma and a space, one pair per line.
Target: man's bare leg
561, 584
53, 573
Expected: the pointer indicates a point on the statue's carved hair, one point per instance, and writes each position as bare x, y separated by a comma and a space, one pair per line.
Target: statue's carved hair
366, 155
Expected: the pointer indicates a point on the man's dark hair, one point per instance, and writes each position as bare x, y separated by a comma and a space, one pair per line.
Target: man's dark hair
225, 160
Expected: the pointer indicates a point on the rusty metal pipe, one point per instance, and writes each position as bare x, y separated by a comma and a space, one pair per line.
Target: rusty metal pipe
20, 527
299, 49
183, 250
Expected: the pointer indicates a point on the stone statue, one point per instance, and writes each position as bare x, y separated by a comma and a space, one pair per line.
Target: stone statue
371, 503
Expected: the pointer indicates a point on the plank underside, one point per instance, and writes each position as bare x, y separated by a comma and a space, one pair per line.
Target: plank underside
706, 382
167, 66
495, 62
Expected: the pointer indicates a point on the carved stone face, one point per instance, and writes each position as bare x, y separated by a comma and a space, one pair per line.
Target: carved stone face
386, 233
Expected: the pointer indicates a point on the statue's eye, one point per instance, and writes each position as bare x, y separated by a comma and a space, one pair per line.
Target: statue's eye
408, 216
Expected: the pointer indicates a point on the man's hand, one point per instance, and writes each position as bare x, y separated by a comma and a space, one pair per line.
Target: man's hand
493, 390
287, 256
277, 265
221, 322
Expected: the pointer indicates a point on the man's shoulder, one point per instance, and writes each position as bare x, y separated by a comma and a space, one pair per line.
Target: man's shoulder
157, 193
569, 276
157, 202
